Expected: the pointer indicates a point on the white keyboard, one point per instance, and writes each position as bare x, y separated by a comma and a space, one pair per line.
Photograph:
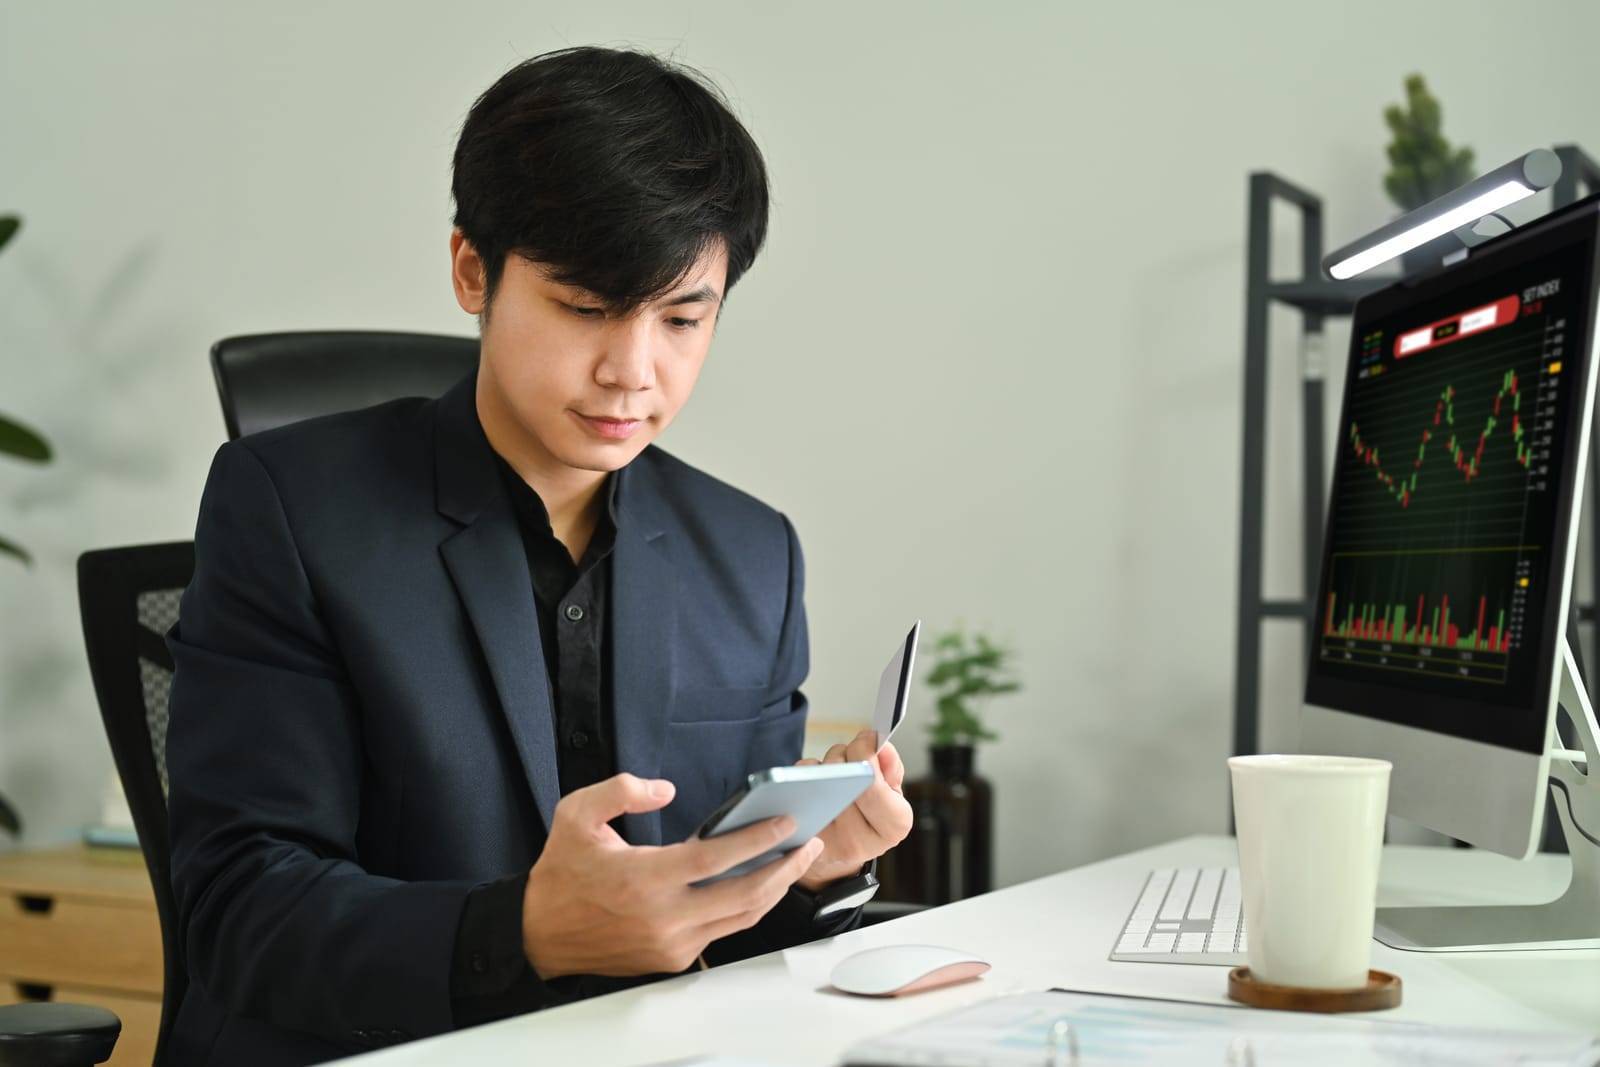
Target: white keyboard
1186, 915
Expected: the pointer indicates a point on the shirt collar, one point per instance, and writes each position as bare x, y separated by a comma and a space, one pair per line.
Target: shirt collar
534, 516
466, 479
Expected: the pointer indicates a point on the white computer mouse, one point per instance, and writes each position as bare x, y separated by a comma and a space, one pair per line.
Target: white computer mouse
896, 969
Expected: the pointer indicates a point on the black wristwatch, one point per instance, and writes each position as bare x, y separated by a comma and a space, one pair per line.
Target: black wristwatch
847, 893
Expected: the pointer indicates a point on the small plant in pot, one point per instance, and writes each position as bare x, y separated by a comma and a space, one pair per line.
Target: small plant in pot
1423, 165
967, 670
18, 442
950, 853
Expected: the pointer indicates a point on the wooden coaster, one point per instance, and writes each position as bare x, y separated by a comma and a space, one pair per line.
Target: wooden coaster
1381, 991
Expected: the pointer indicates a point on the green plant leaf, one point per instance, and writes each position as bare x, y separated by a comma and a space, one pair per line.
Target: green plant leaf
1423, 164
11, 548
23, 443
9, 225
966, 668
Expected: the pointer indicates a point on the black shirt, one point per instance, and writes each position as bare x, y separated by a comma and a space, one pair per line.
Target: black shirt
490, 976
571, 602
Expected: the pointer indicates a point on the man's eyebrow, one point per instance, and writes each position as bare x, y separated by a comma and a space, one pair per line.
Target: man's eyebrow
694, 296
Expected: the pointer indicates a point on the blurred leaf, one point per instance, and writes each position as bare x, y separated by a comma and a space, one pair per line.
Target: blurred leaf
9, 225
9, 820
19, 441
1423, 164
966, 668
11, 548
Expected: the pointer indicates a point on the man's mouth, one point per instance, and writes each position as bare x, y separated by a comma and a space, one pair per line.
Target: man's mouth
610, 427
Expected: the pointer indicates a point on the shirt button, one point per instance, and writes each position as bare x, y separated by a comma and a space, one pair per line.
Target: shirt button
574, 612
480, 963
578, 739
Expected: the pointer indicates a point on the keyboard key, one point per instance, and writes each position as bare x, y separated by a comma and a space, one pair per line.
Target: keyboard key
1155, 889
1205, 893
1177, 901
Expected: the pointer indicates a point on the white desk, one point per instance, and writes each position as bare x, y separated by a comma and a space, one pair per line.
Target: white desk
1053, 931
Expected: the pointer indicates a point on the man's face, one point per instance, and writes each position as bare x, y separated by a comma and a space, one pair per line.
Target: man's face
586, 388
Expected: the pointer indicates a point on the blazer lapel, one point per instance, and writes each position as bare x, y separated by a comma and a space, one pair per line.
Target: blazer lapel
643, 636
489, 567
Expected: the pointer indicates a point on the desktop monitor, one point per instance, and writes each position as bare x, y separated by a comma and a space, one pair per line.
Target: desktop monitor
1438, 640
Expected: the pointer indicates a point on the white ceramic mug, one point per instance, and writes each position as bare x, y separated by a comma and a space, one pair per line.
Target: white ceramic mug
1310, 837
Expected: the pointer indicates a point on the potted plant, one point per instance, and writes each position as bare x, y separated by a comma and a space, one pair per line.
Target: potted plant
950, 853
966, 671
19, 442
1423, 165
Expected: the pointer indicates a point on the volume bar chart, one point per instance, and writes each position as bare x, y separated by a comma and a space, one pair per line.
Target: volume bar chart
1390, 624
1459, 613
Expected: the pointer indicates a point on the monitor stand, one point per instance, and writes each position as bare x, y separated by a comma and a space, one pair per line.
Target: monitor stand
1571, 920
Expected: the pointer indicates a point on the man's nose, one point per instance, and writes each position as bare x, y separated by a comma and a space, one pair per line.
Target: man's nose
629, 358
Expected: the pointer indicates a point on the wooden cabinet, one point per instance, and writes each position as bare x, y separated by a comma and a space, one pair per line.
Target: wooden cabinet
79, 924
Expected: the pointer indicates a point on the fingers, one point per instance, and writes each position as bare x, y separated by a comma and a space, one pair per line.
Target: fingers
891, 766
702, 857
879, 818
738, 903
622, 794
887, 814
862, 745
859, 747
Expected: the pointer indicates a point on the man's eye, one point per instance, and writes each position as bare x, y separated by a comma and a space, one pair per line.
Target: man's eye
678, 323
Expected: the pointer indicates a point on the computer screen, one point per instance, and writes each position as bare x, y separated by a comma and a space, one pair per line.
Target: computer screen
1451, 503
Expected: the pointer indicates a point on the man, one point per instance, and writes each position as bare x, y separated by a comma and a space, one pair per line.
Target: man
457, 679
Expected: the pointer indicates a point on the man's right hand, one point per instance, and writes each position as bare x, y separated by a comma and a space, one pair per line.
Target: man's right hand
597, 905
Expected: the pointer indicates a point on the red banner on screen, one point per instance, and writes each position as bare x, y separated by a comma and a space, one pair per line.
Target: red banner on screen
1466, 324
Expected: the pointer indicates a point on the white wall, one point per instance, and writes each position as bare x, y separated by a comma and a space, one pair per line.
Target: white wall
989, 362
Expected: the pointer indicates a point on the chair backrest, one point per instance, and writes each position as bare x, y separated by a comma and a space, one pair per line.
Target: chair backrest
128, 598
269, 379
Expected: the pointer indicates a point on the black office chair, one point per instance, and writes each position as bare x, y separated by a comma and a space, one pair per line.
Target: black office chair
269, 379
56, 1035
128, 598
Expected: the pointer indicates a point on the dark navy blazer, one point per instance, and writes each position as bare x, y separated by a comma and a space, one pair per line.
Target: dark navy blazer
361, 723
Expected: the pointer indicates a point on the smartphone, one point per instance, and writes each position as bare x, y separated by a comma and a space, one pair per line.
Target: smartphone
813, 795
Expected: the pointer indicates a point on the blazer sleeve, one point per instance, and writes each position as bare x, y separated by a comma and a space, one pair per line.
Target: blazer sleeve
789, 923
278, 920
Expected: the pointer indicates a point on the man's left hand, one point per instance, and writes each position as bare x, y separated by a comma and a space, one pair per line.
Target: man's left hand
879, 819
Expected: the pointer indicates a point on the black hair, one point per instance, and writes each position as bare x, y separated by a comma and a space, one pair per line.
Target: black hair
615, 170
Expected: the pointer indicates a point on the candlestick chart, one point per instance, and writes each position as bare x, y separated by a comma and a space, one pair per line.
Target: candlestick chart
1441, 495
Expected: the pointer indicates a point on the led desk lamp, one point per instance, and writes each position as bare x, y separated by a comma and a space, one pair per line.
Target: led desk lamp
1455, 212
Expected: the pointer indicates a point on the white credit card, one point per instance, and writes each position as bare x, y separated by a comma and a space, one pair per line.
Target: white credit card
894, 688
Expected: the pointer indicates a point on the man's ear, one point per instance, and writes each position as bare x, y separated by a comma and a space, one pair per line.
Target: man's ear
467, 274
